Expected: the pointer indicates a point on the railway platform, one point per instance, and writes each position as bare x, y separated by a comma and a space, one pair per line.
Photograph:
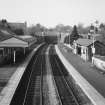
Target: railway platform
87, 77
9, 90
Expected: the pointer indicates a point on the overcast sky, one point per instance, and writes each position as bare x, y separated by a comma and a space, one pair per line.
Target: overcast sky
52, 12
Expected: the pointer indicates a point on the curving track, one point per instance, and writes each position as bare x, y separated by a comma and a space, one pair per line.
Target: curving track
30, 89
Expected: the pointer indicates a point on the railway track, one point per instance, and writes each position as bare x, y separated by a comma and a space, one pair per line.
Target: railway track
33, 95
66, 94
30, 89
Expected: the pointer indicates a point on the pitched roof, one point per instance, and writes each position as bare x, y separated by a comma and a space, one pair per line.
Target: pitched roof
4, 36
13, 42
84, 42
17, 25
27, 38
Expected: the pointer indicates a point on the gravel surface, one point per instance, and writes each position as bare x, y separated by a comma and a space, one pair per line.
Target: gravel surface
53, 98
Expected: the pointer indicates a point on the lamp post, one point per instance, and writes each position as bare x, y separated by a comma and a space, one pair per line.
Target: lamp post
68, 31
93, 48
96, 26
95, 31
92, 31
69, 39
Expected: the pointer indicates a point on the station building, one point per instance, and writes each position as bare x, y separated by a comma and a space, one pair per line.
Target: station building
17, 25
83, 47
11, 44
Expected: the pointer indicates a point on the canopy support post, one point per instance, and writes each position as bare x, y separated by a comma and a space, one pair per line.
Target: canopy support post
14, 53
24, 50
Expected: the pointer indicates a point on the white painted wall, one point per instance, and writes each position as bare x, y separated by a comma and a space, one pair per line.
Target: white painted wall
98, 63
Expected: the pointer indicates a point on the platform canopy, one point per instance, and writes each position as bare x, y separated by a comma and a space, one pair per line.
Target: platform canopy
9, 39
13, 42
28, 38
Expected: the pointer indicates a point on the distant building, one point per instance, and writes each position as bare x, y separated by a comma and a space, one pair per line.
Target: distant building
13, 26
17, 26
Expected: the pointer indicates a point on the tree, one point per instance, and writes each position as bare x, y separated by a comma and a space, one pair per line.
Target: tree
102, 26
36, 29
82, 29
18, 31
63, 28
4, 23
74, 35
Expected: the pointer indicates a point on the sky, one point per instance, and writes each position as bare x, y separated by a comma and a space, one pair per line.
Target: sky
52, 12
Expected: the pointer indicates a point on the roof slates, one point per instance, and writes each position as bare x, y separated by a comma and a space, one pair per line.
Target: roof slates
84, 42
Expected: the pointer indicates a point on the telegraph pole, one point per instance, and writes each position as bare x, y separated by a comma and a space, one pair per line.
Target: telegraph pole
93, 31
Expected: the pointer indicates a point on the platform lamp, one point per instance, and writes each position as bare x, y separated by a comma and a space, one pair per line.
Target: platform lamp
92, 32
